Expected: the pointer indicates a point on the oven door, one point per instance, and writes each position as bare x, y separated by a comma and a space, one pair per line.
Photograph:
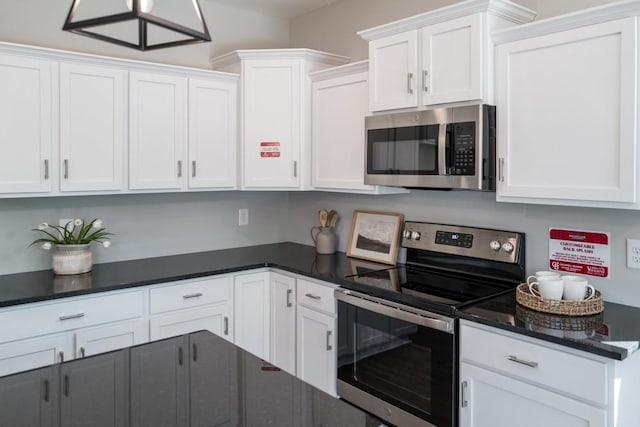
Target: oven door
396, 362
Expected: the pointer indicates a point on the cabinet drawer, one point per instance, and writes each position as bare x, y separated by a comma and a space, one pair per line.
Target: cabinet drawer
316, 296
189, 294
73, 313
568, 373
214, 319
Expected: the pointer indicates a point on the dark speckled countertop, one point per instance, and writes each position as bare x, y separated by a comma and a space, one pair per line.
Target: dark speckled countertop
618, 323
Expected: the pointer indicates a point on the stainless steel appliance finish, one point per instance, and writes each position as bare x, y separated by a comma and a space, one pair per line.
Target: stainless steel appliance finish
397, 344
445, 148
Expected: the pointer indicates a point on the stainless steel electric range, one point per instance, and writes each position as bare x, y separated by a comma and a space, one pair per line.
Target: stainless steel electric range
397, 330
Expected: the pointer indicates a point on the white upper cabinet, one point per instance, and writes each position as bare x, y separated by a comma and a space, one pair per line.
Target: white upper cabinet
340, 104
275, 114
92, 127
213, 133
157, 131
25, 124
567, 109
438, 57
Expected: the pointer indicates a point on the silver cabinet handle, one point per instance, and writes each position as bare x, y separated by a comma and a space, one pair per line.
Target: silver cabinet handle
329, 346
463, 394
226, 325
189, 296
82, 352
193, 168
295, 168
66, 169
71, 316
409, 83
46, 169
312, 296
528, 363
179, 168
501, 169
289, 293
425, 77
60, 356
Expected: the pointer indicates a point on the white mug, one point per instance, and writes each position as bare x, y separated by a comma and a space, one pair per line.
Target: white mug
539, 274
548, 287
575, 288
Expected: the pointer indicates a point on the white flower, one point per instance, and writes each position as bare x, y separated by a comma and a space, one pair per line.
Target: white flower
46, 246
97, 223
43, 226
77, 222
106, 243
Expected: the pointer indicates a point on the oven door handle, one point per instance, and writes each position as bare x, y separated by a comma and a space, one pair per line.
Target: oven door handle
396, 311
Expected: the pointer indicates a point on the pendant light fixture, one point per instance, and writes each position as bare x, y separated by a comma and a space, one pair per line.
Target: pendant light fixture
139, 24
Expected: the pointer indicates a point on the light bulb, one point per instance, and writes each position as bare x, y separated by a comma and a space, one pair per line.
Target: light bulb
145, 5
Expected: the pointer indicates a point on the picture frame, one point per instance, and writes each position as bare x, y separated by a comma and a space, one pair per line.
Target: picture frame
375, 236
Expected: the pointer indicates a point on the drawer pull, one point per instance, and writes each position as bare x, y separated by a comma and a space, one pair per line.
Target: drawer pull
463, 394
522, 362
289, 292
189, 296
71, 316
312, 296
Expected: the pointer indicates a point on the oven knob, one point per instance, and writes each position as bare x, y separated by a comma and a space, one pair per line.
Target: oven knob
415, 235
495, 245
507, 247
406, 234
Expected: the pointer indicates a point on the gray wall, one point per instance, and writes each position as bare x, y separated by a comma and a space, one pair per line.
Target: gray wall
145, 225
333, 28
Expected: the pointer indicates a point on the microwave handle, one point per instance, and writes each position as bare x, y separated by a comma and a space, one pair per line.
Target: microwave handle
443, 150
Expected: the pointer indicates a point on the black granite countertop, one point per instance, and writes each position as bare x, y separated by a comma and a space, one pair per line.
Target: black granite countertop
594, 334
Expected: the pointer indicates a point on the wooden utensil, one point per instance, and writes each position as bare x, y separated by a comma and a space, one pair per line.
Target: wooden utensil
332, 218
323, 217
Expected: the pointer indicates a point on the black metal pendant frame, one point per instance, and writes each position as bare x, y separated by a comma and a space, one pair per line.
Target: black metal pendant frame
81, 27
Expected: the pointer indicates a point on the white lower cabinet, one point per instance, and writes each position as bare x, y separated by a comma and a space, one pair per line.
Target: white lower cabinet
508, 379
252, 313
283, 322
32, 353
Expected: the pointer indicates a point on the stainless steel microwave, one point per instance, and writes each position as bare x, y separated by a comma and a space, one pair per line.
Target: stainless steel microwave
444, 148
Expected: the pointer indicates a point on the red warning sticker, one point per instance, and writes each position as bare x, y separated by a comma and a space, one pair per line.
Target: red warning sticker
269, 149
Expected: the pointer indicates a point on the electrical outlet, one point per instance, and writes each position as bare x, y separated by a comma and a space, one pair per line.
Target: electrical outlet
633, 253
68, 222
243, 216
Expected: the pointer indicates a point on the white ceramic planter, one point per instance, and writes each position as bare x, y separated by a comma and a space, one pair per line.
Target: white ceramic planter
71, 259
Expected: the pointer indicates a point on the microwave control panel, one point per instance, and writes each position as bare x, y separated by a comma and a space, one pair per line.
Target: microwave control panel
463, 148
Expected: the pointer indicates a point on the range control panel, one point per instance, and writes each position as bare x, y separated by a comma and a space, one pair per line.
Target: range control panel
496, 245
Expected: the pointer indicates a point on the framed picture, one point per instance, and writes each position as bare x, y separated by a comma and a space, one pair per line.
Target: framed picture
375, 236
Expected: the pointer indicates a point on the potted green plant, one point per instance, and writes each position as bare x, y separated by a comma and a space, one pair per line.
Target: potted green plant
71, 244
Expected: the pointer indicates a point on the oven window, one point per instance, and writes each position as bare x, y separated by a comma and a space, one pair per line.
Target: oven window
407, 365
403, 151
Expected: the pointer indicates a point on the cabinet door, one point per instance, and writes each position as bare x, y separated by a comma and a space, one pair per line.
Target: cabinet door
159, 383
339, 108
92, 127
95, 391
215, 318
283, 322
252, 308
157, 131
567, 117
272, 115
212, 133
316, 354
25, 123
490, 399
18, 356
452, 60
393, 68
111, 337
30, 399
214, 379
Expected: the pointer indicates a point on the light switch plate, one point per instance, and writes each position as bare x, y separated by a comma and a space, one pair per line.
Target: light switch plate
243, 216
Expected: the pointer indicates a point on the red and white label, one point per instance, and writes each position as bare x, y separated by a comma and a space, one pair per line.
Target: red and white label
580, 252
269, 149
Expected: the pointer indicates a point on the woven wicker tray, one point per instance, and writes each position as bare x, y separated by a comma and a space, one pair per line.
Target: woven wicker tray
568, 308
